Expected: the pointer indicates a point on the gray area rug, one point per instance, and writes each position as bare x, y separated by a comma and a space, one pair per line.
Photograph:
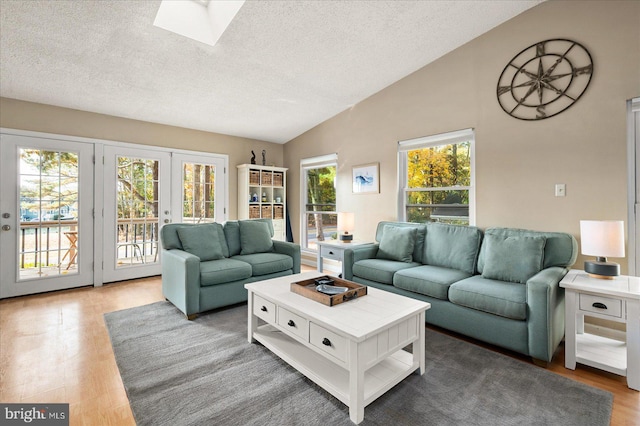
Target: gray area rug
204, 372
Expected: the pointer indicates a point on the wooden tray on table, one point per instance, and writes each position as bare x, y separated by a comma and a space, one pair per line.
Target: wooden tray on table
307, 288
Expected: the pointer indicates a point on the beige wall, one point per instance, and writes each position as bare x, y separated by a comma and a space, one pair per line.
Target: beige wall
517, 162
21, 115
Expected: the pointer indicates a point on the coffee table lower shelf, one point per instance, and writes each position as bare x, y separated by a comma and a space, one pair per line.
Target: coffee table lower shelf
334, 379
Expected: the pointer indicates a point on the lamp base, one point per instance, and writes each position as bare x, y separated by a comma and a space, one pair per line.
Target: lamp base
602, 270
346, 238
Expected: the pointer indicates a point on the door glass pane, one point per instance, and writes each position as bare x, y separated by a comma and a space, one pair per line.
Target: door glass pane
136, 211
48, 236
198, 189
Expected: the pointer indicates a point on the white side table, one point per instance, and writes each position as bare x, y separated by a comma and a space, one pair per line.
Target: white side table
334, 250
615, 300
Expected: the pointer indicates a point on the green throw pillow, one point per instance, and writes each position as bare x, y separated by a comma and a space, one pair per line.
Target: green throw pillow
201, 241
397, 243
255, 237
513, 259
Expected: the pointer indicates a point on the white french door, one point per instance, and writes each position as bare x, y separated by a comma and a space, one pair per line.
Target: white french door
46, 206
77, 212
137, 194
198, 188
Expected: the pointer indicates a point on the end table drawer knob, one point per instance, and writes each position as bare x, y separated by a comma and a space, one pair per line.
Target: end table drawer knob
330, 252
263, 309
326, 342
599, 305
291, 323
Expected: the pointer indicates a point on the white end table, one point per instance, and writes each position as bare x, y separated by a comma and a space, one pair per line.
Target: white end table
615, 300
334, 249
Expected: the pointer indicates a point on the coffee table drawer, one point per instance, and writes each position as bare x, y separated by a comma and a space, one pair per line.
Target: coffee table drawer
328, 341
293, 323
264, 309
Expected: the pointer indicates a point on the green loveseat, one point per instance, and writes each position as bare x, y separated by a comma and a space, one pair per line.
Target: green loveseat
499, 286
205, 266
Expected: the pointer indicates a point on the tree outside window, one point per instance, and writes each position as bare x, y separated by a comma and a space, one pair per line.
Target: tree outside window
438, 185
320, 217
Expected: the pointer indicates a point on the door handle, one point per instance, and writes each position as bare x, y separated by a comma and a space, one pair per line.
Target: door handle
6, 227
167, 220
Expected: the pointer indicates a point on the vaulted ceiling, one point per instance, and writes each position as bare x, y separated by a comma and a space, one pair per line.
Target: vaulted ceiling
279, 69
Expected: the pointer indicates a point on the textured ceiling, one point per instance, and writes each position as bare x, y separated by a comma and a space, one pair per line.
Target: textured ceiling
281, 67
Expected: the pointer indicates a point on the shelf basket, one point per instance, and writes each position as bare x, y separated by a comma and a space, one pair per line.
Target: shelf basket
254, 177
278, 179
278, 212
266, 178
266, 212
254, 212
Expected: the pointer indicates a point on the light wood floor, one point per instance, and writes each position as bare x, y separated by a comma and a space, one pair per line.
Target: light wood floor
54, 347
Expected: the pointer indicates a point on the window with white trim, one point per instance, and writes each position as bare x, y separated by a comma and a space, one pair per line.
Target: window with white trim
319, 216
436, 178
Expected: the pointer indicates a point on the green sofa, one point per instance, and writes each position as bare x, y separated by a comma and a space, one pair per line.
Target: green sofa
499, 286
205, 266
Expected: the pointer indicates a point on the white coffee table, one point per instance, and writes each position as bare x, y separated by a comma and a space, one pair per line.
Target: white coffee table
352, 350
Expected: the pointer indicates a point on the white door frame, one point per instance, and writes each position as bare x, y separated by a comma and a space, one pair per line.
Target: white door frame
10, 283
110, 272
98, 180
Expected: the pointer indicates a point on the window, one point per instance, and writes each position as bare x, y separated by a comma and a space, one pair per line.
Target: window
437, 178
319, 219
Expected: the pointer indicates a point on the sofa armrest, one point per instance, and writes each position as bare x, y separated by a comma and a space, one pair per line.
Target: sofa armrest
545, 316
181, 280
351, 256
290, 249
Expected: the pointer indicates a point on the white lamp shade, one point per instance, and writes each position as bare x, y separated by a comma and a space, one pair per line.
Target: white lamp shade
602, 238
346, 222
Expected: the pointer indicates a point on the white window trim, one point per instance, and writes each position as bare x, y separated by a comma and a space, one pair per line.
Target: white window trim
306, 164
430, 141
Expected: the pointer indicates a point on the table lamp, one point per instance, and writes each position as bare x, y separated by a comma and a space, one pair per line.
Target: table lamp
346, 223
602, 238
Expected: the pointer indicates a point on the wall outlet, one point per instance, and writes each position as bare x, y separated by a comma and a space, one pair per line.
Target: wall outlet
561, 190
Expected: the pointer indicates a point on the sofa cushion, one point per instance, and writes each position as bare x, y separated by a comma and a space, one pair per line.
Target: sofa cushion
495, 297
223, 271
202, 241
418, 248
380, 270
266, 263
397, 243
452, 246
255, 237
514, 259
429, 280
560, 249
232, 235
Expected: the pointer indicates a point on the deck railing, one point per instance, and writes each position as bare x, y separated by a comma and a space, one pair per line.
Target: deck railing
44, 240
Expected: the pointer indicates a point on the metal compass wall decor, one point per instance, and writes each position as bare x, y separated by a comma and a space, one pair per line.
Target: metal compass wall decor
544, 79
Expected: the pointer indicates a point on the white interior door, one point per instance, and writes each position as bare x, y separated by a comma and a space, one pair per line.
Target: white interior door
137, 203
46, 208
199, 185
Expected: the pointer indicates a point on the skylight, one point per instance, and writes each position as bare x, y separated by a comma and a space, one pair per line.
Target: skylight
200, 20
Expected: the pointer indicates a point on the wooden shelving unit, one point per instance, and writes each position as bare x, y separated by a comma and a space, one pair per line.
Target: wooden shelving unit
262, 193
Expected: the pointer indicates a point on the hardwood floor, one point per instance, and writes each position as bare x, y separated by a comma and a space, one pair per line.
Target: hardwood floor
54, 347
